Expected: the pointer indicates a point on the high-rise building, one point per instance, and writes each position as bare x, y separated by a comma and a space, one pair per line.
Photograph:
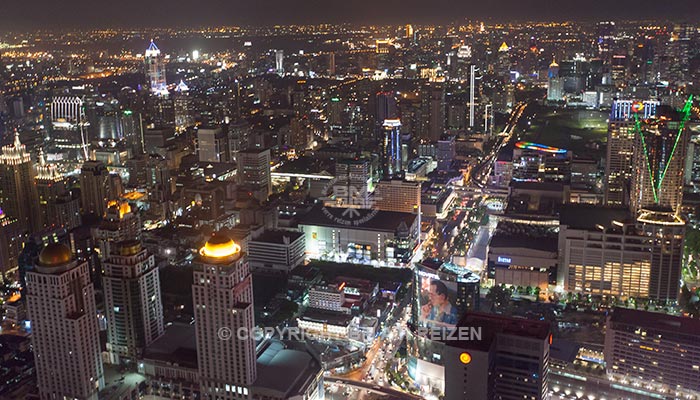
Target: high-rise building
351, 185
432, 123
11, 239
94, 187
391, 148
659, 159
620, 148
119, 224
386, 107
222, 293
58, 207
605, 251
212, 145
279, 61
649, 348
183, 107
65, 332
155, 70
398, 195
254, 172
133, 305
18, 196
508, 359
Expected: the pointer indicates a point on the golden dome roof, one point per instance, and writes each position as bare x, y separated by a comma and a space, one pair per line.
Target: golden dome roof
55, 254
219, 246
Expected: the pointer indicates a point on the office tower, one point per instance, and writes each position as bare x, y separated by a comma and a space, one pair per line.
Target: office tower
432, 123
58, 207
508, 359
254, 172
606, 40
222, 293
649, 348
331, 64
155, 70
391, 148
183, 107
18, 196
659, 158
133, 305
279, 61
386, 107
555, 85
351, 185
665, 231
212, 145
69, 124
94, 187
446, 151
239, 132
472, 93
119, 224
65, 333
397, 195
606, 251
11, 242
620, 148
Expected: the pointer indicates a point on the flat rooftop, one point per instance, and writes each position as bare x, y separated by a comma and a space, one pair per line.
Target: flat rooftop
656, 321
277, 236
359, 218
284, 370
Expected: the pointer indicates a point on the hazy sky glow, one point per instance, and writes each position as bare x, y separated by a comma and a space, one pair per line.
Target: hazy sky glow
69, 13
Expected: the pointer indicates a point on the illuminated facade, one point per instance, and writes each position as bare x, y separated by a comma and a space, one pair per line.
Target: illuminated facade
155, 70
57, 206
659, 159
222, 294
653, 349
620, 148
18, 195
119, 224
65, 332
391, 147
604, 251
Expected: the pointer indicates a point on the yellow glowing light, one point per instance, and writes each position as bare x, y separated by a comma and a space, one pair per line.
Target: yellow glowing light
465, 358
219, 247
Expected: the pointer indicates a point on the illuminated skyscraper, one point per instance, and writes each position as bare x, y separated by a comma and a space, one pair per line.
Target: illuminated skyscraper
65, 333
18, 195
133, 305
11, 240
222, 293
391, 147
279, 61
620, 147
119, 224
57, 205
155, 70
659, 158
254, 172
432, 122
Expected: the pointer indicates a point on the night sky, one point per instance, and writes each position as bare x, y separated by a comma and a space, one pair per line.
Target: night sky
140, 13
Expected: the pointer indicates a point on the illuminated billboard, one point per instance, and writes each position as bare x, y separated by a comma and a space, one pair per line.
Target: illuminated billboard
436, 301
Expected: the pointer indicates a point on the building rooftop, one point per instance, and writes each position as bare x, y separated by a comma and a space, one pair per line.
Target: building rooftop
277, 236
361, 219
177, 345
656, 321
493, 325
283, 370
587, 216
